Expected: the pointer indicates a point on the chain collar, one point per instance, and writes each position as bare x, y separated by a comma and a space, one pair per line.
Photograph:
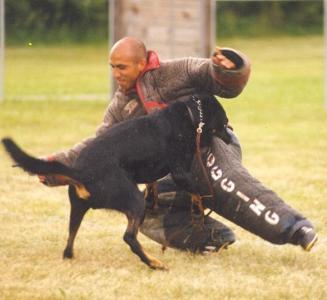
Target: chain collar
199, 107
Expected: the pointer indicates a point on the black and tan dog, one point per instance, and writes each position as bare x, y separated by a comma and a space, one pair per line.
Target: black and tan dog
142, 150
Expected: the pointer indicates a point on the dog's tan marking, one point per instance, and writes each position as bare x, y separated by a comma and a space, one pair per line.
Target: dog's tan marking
152, 190
155, 263
197, 200
81, 190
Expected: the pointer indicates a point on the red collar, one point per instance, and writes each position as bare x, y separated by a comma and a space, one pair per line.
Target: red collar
152, 62
149, 105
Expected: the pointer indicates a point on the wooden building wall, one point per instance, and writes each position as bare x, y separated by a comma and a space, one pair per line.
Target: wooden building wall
174, 28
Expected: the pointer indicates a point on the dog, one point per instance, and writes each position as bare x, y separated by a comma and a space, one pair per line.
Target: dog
141, 150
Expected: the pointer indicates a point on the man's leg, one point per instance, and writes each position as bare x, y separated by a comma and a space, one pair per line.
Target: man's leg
172, 223
243, 200
239, 198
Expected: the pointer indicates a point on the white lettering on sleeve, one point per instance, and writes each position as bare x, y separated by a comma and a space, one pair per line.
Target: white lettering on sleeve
242, 196
271, 217
257, 207
227, 185
210, 160
216, 173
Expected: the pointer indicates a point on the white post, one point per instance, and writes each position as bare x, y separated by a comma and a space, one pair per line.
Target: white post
111, 40
2, 48
213, 25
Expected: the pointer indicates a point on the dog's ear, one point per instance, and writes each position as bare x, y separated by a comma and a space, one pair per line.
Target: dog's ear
214, 113
215, 118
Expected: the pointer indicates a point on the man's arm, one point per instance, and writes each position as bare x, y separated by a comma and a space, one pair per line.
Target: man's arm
228, 71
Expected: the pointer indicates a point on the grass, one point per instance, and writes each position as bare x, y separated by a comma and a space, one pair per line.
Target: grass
283, 130
52, 73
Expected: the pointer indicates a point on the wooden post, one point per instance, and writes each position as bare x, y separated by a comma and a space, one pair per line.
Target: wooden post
173, 28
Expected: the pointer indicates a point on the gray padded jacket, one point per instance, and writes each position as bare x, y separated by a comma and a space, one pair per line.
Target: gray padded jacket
164, 82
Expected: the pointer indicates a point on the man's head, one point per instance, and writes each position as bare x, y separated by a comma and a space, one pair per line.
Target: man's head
128, 60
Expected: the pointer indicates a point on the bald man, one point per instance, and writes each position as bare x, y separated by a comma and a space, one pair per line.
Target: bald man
146, 84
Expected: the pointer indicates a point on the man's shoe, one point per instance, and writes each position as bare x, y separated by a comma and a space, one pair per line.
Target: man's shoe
221, 237
306, 237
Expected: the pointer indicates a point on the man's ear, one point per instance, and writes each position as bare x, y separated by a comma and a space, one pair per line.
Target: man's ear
142, 64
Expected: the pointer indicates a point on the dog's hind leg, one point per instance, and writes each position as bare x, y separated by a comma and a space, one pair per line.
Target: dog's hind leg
121, 193
130, 237
77, 212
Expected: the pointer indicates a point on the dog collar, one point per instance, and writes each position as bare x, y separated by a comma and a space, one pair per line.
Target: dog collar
198, 103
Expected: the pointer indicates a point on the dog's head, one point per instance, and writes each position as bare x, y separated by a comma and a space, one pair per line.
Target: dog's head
214, 116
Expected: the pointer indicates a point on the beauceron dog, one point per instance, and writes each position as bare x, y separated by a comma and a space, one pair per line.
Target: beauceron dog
141, 150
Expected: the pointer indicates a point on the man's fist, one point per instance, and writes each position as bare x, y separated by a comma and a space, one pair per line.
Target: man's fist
46, 180
220, 60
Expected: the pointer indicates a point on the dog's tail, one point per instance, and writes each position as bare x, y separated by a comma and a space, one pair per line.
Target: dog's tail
41, 167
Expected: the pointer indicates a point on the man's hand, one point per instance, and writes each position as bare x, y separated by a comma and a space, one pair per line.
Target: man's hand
54, 179
46, 180
220, 60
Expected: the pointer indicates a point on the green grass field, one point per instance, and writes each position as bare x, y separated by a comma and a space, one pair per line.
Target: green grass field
282, 126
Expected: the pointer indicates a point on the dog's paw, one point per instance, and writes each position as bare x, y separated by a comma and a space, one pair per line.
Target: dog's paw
68, 254
156, 264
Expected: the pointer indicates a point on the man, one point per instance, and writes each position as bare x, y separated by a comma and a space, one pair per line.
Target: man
146, 84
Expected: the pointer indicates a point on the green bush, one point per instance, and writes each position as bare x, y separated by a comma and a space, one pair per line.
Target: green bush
56, 21
257, 18
84, 21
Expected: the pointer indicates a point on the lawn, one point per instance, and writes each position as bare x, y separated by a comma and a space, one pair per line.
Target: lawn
282, 126
52, 73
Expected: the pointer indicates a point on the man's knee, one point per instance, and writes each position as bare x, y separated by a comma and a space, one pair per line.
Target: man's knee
172, 223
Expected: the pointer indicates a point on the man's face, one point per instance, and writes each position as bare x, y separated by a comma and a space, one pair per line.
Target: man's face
126, 69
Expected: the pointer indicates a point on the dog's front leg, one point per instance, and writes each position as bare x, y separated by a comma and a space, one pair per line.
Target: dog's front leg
183, 178
130, 237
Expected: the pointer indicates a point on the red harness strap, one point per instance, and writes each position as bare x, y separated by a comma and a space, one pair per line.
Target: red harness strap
152, 106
